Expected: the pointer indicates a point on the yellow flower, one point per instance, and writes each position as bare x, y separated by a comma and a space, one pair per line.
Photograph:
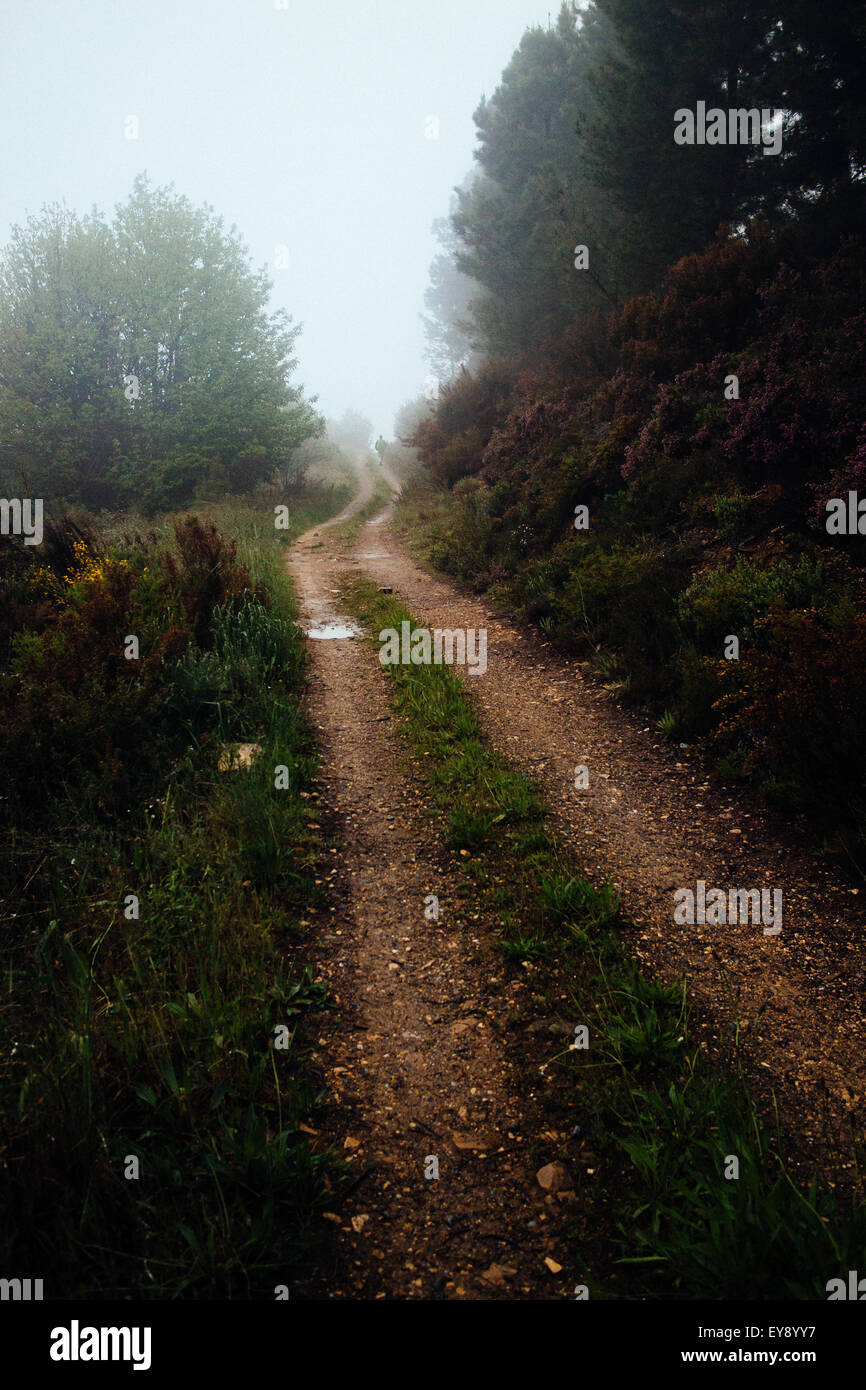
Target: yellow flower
89, 569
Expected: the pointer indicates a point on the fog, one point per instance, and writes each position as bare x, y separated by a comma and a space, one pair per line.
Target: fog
306, 126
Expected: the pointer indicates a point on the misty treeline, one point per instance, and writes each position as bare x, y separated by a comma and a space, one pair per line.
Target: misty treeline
576, 146
138, 360
352, 430
642, 456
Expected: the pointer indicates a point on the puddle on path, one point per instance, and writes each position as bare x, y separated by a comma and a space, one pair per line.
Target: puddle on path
325, 631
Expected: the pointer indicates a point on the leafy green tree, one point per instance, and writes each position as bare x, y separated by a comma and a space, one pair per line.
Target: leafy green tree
138, 360
64, 422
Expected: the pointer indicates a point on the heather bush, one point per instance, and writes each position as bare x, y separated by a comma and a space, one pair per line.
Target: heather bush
75, 711
621, 598
793, 708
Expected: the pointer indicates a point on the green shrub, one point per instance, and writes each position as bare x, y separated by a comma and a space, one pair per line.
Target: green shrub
724, 601
733, 513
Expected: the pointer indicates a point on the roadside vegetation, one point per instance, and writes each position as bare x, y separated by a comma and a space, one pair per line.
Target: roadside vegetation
686, 367
155, 886
704, 517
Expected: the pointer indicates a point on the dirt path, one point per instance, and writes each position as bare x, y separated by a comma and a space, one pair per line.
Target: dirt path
417, 1074
420, 1054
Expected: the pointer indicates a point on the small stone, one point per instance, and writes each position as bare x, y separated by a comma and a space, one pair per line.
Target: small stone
497, 1275
554, 1177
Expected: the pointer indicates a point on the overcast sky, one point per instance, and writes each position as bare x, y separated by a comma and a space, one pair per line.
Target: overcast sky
304, 125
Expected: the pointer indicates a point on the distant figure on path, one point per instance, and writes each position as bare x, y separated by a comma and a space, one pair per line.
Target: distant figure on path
380, 447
